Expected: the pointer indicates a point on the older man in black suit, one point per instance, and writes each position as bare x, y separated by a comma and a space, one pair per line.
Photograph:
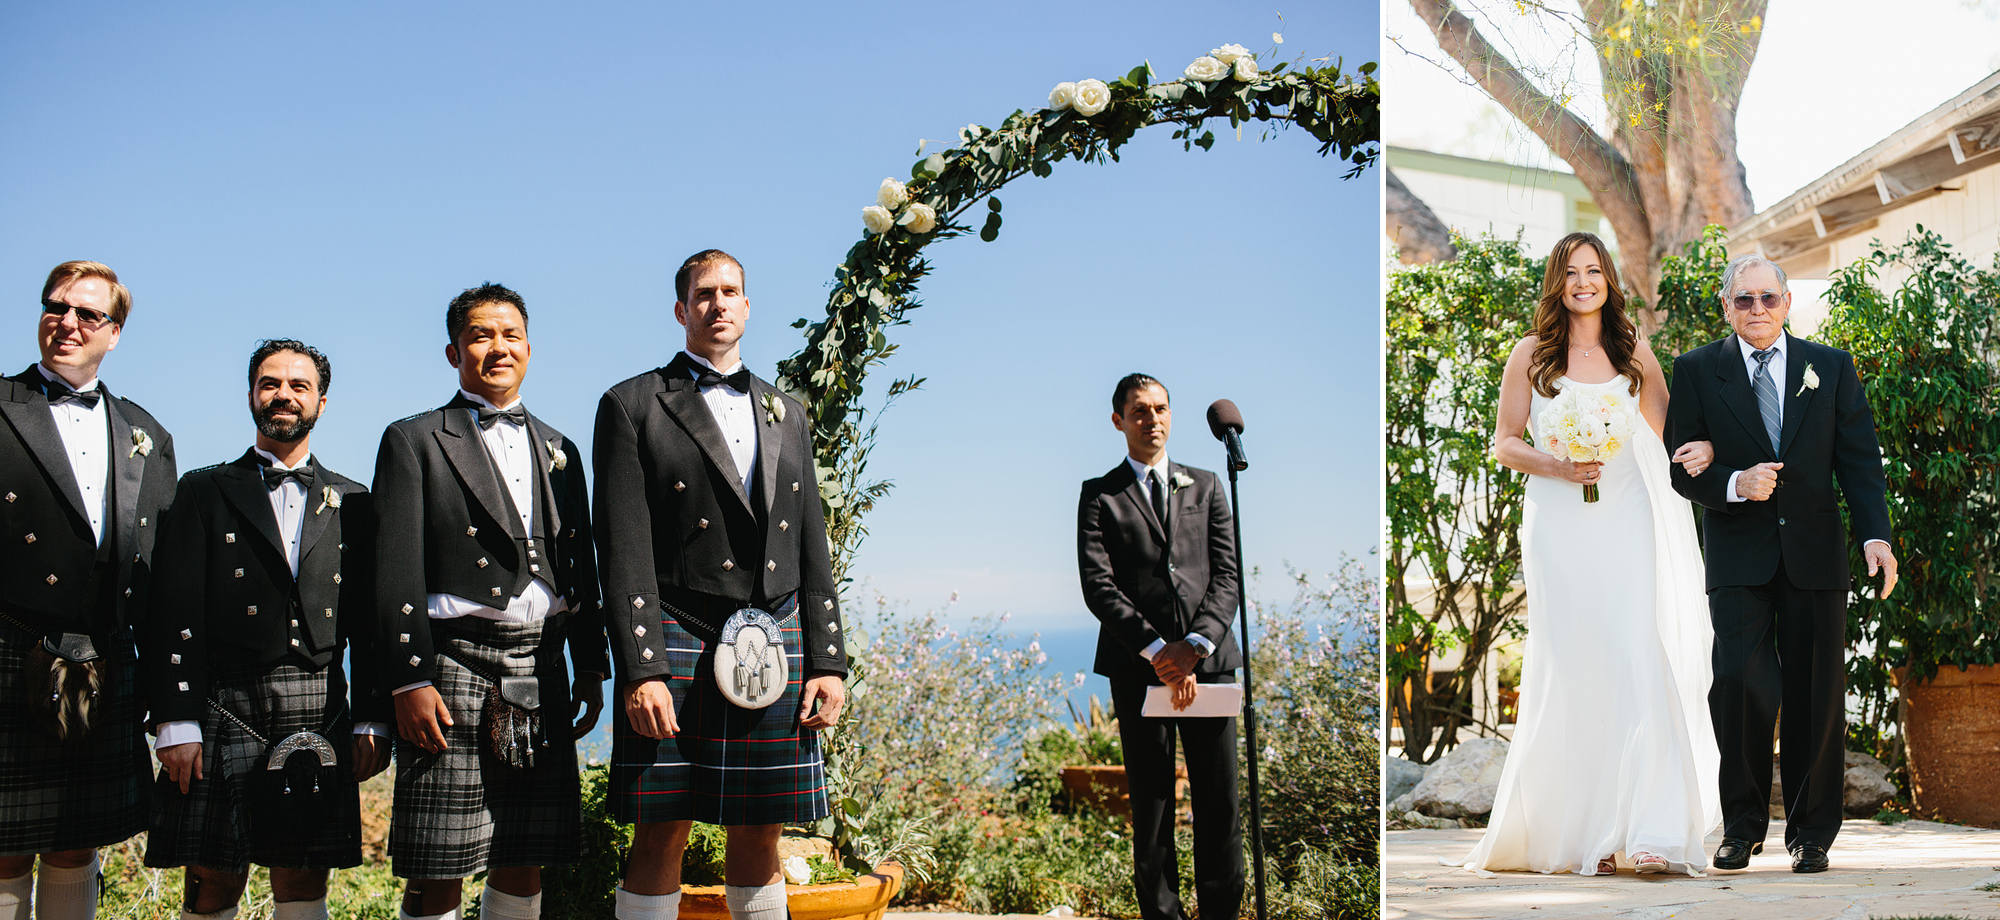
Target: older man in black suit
1789, 420
84, 478
1157, 556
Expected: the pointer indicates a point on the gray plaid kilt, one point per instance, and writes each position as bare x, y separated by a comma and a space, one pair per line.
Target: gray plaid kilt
210, 824
76, 796
728, 765
460, 811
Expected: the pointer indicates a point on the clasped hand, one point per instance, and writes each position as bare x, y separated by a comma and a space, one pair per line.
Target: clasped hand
649, 706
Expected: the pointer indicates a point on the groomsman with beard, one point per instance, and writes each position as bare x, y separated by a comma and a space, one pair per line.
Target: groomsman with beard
1157, 557
1789, 419
710, 528
84, 478
484, 570
260, 585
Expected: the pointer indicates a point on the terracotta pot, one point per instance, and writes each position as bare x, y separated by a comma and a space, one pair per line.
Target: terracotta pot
1106, 789
1953, 724
862, 899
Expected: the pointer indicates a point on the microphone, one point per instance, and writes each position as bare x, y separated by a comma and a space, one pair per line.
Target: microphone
1226, 423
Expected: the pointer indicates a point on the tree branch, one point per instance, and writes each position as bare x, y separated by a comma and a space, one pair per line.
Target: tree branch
1415, 229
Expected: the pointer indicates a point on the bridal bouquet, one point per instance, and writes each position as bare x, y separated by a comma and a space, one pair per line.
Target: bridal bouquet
1585, 427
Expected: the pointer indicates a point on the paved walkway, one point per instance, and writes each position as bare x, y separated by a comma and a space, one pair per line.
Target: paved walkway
1912, 869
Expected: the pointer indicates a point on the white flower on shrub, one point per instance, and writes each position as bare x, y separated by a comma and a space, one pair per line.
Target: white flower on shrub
877, 218
1206, 69
1062, 96
1229, 54
919, 218
891, 195
797, 870
1092, 97
1246, 68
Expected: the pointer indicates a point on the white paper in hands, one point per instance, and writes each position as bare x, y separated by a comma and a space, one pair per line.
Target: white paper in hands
1210, 701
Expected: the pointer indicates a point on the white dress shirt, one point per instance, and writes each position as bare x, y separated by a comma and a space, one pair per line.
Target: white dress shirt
736, 415
507, 443
1165, 470
86, 437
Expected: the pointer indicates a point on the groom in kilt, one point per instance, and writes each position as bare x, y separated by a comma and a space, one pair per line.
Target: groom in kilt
84, 478
260, 587
484, 571
723, 609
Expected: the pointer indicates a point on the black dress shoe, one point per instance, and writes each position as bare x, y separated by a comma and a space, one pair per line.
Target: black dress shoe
1809, 857
1735, 853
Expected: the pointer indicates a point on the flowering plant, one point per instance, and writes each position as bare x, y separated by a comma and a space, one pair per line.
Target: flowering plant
1585, 426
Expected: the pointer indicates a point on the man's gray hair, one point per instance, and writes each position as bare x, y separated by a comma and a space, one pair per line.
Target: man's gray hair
1736, 266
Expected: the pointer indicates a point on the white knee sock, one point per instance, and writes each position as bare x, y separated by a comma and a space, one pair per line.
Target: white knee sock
17, 895
227, 913
451, 914
66, 894
300, 910
495, 904
647, 906
755, 902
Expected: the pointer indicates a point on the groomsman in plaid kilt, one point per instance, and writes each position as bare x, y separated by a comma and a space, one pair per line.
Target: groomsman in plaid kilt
260, 586
484, 570
710, 530
84, 478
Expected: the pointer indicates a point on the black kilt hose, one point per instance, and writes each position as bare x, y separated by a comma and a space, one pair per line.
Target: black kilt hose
210, 825
76, 796
728, 765
461, 811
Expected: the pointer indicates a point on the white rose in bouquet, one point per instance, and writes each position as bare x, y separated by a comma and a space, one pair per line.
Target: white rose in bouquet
919, 218
1246, 68
1063, 96
877, 218
1092, 97
1206, 69
892, 194
1230, 54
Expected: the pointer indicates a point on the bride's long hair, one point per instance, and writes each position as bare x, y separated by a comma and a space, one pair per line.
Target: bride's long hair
1619, 338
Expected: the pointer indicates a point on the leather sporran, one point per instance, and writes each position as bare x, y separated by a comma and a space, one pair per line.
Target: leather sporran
292, 794
515, 734
68, 687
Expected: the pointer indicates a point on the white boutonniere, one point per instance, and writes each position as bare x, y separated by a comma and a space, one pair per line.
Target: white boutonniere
142, 443
557, 459
1812, 381
774, 409
328, 498
1182, 481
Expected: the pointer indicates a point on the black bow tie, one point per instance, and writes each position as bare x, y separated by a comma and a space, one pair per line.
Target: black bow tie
59, 394
739, 381
274, 477
488, 417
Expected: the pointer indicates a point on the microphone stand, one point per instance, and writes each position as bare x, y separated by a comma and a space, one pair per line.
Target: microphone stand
1249, 710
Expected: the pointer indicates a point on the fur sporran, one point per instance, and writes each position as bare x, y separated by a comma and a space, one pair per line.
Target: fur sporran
514, 732
67, 686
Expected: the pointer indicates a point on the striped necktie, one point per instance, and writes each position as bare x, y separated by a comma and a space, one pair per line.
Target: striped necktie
1767, 397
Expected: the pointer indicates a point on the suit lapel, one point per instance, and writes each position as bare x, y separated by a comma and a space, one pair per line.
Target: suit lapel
682, 400
37, 428
458, 438
1796, 396
1136, 494
1737, 395
319, 514
244, 487
128, 469
770, 438
539, 436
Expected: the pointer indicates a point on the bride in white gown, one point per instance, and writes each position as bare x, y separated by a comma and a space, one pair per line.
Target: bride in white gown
1613, 761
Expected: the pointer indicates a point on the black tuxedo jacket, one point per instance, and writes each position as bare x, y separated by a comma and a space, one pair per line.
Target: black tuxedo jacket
446, 526
45, 572
223, 591
675, 522
1828, 437
1141, 586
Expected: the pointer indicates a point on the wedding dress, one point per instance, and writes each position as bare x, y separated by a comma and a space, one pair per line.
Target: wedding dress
1612, 751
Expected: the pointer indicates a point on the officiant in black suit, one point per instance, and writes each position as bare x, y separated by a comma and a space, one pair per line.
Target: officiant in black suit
1789, 422
84, 478
261, 583
1157, 556
484, 572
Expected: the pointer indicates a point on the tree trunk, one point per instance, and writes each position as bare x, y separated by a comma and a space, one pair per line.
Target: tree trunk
1417, 232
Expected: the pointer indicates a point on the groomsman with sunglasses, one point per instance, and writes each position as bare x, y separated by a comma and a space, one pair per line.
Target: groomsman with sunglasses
84, 479
262, 583
484, 571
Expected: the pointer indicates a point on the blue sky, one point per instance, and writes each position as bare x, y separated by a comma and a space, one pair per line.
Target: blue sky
337, 172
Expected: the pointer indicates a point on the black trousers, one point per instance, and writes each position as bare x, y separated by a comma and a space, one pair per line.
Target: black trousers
1218, 833
1780, 647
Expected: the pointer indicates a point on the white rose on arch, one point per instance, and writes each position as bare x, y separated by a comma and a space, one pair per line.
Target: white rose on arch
1092, 97
892, 194
1063, 96
1246, 68
919, 218
877, 218
934, 163
1228, 54
1206, 69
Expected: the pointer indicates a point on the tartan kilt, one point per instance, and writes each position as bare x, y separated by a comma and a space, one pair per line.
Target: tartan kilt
461, 811
728, 766
209, 825
86, 794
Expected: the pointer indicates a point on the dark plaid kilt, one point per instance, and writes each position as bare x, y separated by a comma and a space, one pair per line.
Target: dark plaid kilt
728, 765
76, 796
210, 824
461, 811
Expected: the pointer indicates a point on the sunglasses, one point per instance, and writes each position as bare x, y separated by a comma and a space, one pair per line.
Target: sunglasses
84, 315
1770, 300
